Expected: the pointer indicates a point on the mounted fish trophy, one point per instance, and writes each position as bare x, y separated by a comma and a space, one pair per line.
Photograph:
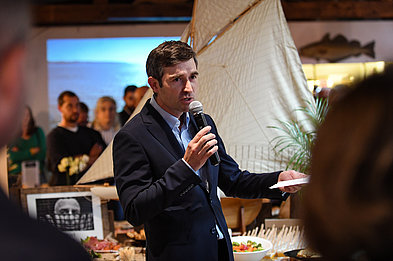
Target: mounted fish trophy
336, 49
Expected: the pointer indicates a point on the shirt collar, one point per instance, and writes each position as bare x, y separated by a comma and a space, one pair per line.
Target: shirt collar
169, 118
72, 129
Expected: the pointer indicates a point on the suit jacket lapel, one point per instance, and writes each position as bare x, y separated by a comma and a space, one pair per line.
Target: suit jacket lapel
158, 127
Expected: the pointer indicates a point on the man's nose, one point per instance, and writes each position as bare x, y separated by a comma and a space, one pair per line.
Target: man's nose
188, 86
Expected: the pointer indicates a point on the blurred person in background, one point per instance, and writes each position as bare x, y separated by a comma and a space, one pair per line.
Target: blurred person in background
349, 201
322, 92
129, 106
30, 145
68, 140
139, 93
138, 96
22, 238
83, 118
106, 120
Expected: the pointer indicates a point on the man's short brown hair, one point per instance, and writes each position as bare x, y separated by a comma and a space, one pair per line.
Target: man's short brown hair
167, 54
60, 99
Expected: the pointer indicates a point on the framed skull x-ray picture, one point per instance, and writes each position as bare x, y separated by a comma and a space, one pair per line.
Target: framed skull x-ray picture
75, 213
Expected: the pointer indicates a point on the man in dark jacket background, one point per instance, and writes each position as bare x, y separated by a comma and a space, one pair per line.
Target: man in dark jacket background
129, 106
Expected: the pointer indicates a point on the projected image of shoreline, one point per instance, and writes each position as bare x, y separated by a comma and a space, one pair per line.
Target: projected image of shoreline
96, 67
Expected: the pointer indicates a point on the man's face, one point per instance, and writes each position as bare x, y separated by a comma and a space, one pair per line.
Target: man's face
129, 99
70, 109
179, 86
83, 118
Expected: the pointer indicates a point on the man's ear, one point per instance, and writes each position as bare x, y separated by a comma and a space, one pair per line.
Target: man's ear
154, 84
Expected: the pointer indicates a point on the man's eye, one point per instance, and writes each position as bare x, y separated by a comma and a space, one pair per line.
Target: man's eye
176, 79
194, 77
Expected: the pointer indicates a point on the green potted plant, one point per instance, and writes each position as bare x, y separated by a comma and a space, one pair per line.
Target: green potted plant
297, 138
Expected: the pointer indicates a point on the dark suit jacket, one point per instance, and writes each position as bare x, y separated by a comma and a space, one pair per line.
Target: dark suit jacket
157, 189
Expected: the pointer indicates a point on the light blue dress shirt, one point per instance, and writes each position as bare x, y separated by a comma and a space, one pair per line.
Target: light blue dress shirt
182, 135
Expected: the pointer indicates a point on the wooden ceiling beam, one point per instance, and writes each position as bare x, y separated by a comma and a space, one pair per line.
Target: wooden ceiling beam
101, 12
337, 10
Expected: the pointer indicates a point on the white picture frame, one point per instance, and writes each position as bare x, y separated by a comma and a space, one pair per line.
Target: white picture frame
88, 222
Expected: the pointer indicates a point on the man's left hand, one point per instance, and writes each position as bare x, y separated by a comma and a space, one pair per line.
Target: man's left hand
289, 175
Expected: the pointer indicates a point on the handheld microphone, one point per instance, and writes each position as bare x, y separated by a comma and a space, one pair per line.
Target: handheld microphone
196, 109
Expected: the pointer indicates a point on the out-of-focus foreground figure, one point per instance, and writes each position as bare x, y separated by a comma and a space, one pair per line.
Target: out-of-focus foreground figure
21, 237
349, 201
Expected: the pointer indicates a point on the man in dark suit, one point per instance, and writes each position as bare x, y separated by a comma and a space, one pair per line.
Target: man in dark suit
22, 238
162, 172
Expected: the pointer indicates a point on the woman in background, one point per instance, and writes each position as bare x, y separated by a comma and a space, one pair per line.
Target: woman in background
30, 145
106, 121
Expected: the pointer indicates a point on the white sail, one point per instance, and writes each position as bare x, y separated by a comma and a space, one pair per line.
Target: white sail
209, 17
250, 77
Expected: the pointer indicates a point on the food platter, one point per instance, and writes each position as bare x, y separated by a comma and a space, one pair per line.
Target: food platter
106, 251
138, 237
293, 254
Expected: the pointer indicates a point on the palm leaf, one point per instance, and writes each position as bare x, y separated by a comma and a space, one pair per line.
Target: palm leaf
295, 137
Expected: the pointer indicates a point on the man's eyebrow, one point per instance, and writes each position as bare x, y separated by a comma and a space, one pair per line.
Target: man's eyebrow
177, 75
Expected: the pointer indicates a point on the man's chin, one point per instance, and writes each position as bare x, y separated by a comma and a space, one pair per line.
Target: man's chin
71, 121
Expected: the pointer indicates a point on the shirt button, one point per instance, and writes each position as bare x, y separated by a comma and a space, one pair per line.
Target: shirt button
213, 231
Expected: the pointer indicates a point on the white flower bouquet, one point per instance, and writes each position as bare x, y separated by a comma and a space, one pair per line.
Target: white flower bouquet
73, 165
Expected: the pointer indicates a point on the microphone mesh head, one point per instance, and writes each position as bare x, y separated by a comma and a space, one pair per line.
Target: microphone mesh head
196, 107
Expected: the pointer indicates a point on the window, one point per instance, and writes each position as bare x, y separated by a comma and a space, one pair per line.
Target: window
96, 67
